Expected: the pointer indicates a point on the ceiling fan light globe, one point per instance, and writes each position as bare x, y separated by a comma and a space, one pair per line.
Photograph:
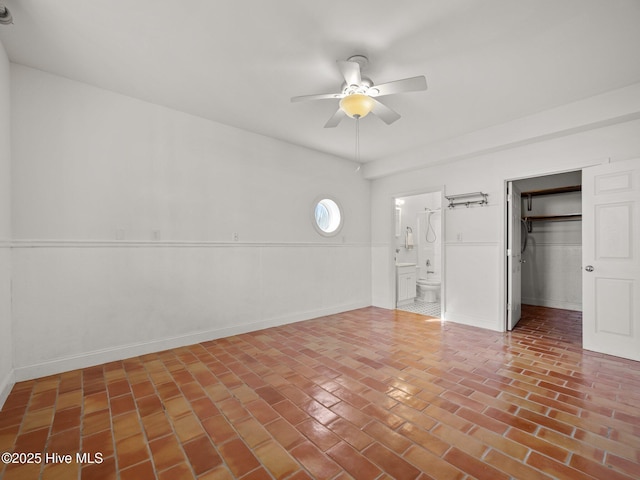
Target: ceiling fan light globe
356, 105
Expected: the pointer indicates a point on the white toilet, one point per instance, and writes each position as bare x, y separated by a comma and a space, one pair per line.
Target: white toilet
428, 290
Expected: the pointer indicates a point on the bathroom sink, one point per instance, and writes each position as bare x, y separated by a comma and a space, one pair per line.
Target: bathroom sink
405, 264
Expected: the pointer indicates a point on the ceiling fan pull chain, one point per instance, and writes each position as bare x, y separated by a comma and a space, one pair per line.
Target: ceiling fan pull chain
358, 139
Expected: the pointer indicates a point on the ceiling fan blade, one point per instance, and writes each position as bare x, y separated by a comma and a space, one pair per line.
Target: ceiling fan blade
383, 112
319, 96
335, 119
350, 71
412, 84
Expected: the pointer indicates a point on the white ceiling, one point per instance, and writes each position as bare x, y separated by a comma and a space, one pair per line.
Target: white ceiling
239, 62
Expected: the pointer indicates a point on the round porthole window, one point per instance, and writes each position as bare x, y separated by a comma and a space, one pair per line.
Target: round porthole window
327, 216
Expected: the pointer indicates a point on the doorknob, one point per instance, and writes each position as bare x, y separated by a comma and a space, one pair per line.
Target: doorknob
589, 268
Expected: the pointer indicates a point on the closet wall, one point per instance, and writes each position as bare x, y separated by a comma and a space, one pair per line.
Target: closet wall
552, 268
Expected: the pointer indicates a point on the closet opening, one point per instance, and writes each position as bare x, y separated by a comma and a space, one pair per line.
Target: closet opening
544, 252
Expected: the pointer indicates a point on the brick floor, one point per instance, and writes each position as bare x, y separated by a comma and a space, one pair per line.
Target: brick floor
369, 393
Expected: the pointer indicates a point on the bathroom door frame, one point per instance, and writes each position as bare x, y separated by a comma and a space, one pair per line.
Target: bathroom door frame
392, 242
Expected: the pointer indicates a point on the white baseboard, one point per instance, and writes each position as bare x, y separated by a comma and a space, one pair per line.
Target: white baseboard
473, 321
552, 304
6, 384
98, 357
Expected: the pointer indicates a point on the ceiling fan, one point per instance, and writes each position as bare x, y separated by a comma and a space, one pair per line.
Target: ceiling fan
358, 94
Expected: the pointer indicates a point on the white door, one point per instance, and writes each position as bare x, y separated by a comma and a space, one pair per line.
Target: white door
611, 258
514, 256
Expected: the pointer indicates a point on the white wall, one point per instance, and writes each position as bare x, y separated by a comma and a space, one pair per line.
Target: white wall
6, 342
475, 237
552, 268
123, 219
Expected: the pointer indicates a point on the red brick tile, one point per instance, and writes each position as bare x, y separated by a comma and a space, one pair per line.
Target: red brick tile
386, 436
435, 399
320, 435
513, 467
262, 411
32, 441
354, 463
483, 420
233, 409
149, 405
596, 469
118, 388
141, 471
322, 396
60, 471
156, 425
168, 390
35, 420
460, 439
423, 438
122, 404
181, 471
625, 466
290, 412
202, 455
270, 395
318, 464
131, 450
43, 400
511, 420
8, 438
238, 457
473, 466
350, 434
538, 445
101, 442
96, 402
414, 416
17, 471
571, 444
100, 471
166, 452
350, 397
284, 433
258, 474
500, 443
126, 425
188, 427
348, 412
219, 429
204, 408
176, 407
390, 462
276, 459
556, 470
67, 442
11, 417
319, 412
143, 389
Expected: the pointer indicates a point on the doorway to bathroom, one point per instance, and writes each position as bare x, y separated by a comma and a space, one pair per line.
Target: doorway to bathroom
418, 258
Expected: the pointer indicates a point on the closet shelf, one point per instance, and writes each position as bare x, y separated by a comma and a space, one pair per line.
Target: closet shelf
553, 191
567, 217
549, 191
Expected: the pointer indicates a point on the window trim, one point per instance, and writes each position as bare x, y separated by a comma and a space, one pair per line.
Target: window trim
318, 200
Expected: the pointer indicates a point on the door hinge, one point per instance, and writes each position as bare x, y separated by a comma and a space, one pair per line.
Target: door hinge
508, 306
